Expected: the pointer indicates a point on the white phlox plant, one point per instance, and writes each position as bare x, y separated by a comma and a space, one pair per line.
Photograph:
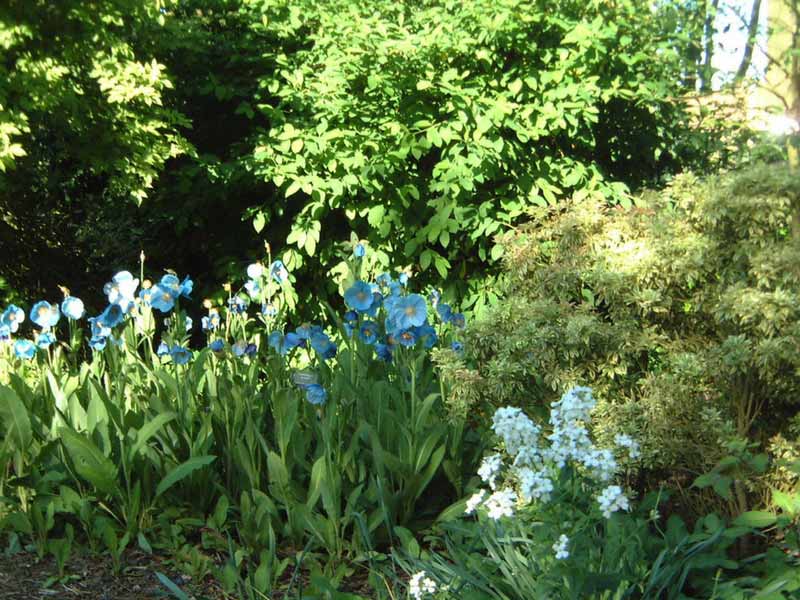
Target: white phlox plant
536, 459
420, 585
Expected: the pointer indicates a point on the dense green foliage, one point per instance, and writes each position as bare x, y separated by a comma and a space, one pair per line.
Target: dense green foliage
423, 128
682, 314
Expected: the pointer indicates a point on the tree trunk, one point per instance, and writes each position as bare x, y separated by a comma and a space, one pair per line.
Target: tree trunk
708, 37
752, 31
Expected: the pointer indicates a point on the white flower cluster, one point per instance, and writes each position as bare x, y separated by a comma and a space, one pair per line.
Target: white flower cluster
560, 547
535, 465
515, 428
490, 469
625, 441
419, 585
611, 500
501, 504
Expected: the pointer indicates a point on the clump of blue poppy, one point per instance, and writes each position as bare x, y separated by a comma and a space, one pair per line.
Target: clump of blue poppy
45, 315
12, 317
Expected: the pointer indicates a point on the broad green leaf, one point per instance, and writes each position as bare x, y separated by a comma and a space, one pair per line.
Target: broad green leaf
182, 471
16, 422
90, 463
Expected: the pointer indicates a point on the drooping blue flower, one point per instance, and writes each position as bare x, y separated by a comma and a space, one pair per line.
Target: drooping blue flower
368, 332
304, 332
253, 288
359, 251
395, 289
45, 340
406, 337
172, 283
187, 285
212, 321
255, 271
268, 309
187, 320
445, 312
24, 349
98, 343
427, 335
217, 346
73, 308
241, 347
163, 349
351, 316
12, 317
323, 345
403, 279
348, 329
377, 302
180, 355
146, 294
409, 311
111, 316
5, 333
251, 350
98, 328
162, 297
315, 394
237, 305
384, 279
45, 315
458, 320
457, 347
121, 290
359, 296
384, 352
278, 271
282, 344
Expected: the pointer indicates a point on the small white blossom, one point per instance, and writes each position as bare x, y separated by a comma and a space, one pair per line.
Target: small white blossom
601, 463
625, 441
611, 500
419, 586
490, 469
574, 405
534, 485
474, 501
501, 504
560, 547
516, 429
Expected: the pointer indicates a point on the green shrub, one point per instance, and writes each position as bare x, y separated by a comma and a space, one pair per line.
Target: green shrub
683, 314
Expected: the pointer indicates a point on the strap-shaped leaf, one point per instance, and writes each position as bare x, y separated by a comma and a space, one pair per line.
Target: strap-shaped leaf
16, 422
182, 471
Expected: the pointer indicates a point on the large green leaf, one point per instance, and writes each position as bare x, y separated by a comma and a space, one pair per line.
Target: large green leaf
15, 419
90, 463
182, 471
148, 430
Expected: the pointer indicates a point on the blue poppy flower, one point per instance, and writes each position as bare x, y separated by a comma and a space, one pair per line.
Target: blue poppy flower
5, 333
377, 302
351, 316
390, 325
187, 285
445, 312
12, 317
384, 352
427, 335
237, 305
255, 271
458, 320
217, 346
323, 345
187, 320
212, 321
250, 350
409, 311
278, 271
45, 340
348, 329
304, 332
268, 309
406, 337
73, 308
146, 294
98, 343
45, 315
395, 289
359, 296
359, 251
315, 394
383, 280
121, 290
253, 288
180, 355
163, 349
403, 279
368, 332
172, 283
162, 297
111, 316
457, 347
24, 349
